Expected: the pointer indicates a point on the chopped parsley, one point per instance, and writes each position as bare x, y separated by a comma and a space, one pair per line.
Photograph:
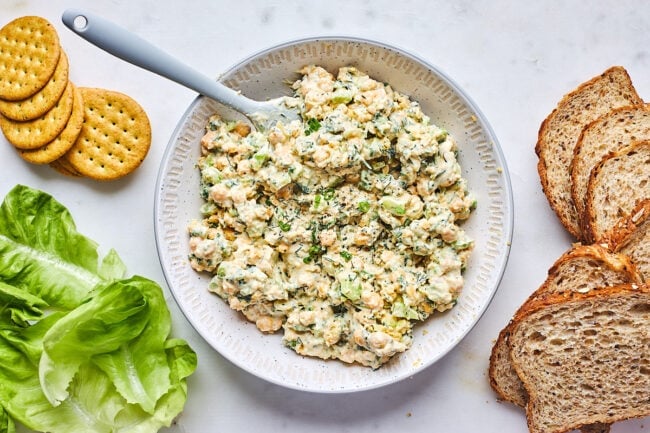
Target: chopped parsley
313, 125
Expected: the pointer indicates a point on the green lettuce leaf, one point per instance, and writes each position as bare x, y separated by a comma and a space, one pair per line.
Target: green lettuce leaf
42, 252
112, 316
26, 343
6, 422
92, 405
19, 356
139, 368
182, 362
112, 267
18, 306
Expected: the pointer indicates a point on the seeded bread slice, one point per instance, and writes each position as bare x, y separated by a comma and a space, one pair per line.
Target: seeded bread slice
584, 358
581, 268
559, 132
616, 185
632, 238
612, 131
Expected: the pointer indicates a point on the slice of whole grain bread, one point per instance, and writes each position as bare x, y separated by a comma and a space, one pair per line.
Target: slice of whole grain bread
559, 133
584, 358
616, 185
581, 268
610, 132
632, 238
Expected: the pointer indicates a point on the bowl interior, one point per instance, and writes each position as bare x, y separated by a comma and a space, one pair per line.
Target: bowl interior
265, 75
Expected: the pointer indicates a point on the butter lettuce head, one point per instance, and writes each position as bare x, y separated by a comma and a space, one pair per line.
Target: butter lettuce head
81, 347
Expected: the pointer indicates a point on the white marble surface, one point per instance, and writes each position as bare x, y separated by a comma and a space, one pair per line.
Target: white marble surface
516, 59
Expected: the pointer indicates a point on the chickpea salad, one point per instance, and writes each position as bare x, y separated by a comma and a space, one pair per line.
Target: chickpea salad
343, 230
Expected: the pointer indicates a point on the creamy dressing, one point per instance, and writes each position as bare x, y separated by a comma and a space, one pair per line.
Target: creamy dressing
342, 229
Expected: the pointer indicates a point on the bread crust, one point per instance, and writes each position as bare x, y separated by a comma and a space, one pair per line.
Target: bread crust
571, 296
631, 236
593, 231
500, 358
559, 196
625, 229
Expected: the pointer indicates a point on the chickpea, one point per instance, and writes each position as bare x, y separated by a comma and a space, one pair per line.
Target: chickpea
362, 237
219, 193
327, 238
229, 234
242, 129
321, 156
207, 142
238, 195
378, 340
244, 167
276, 136
353, 177
332, 333
307, 318
372, 300
268, 323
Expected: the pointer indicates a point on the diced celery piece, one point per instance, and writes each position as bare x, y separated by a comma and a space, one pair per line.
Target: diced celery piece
363, 206
462, 244
399, 309
317, 200
393, 205
341, 96
208, 209
211, 175
259, 159
351, 290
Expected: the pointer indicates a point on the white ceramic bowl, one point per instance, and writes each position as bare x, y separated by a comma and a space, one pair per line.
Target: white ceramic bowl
264, 75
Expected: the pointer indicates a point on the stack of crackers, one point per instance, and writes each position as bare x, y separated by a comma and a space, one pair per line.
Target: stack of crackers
78, 131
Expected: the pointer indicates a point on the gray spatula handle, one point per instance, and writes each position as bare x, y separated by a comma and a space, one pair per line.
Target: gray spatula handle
135, 50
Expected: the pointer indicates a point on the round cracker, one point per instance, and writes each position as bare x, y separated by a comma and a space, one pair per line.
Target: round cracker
29, 53
43, 100
38, 132
61, 144
62, 166
115, 136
